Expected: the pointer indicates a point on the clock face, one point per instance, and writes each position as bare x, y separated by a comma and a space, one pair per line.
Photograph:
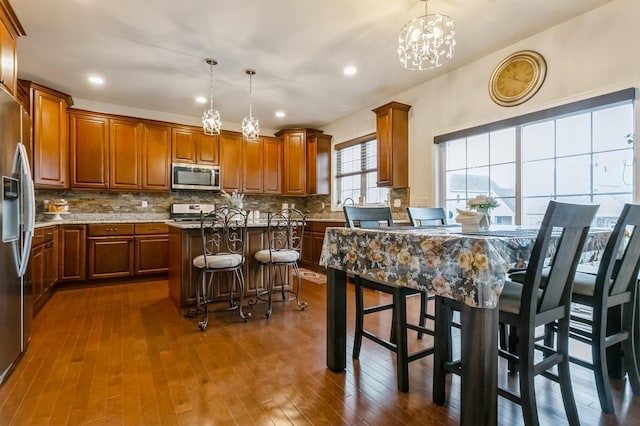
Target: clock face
517, 78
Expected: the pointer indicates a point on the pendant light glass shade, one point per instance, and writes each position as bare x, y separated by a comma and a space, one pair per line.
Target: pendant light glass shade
250, 124
211, 122
426, 42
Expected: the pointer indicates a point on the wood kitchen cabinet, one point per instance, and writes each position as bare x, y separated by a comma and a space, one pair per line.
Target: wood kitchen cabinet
72, 253
231, 161
155, 154
392, 132
48, 111
252, 166
272, 165
10, 30
312, 241
89, 146
43, 265
306, 161
111, 251
124, 154
191, 145
151, 248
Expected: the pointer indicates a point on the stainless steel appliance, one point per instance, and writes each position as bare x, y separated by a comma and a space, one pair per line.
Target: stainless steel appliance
17, 216
189, 212
195, 176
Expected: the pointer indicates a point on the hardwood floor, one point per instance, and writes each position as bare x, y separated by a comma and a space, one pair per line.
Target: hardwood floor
122, 355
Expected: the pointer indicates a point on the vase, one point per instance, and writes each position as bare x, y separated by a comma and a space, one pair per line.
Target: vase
487, 214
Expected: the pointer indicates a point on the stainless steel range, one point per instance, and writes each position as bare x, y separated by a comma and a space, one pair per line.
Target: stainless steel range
189, 212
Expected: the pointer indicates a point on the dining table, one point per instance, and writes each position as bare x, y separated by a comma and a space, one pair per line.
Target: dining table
468, 267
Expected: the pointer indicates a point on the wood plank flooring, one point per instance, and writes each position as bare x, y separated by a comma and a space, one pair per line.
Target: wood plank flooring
121, 355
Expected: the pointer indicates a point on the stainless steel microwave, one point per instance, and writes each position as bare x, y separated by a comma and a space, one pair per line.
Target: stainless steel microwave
195, 177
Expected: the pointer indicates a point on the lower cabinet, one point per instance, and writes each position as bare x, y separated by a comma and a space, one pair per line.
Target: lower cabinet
43, 264
110, 250
151, 248
312, 244
72, 253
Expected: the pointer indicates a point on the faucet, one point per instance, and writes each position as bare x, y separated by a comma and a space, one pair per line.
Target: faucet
344, 203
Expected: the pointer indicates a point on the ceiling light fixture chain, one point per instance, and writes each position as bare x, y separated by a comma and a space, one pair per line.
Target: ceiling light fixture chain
250, 124
211, 122
427, 41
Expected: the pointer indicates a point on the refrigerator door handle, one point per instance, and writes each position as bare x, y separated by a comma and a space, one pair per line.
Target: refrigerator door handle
21, 167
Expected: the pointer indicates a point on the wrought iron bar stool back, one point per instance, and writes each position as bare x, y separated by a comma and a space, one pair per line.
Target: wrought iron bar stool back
223, 232
285, 230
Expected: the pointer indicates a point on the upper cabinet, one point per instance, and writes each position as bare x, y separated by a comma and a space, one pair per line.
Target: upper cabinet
392, 130
191, 145
306, 161
89, 142
231, 161
10, 30
48, 111
272, 165
119, 153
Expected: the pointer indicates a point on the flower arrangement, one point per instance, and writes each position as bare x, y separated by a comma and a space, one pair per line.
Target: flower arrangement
234, 200
482, 202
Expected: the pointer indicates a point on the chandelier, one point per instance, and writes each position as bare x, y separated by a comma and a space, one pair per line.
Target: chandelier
250, 124
426, 42
211, 122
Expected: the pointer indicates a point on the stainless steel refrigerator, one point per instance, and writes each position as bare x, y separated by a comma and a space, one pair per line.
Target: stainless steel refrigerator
17, 216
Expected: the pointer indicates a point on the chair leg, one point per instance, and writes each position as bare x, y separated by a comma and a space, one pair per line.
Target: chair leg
252, 302
271, 274
525, 370
631, 350
357, 334
600, 370
301, 305
240, 278
512, 347
423, 312
204, 299
564, 373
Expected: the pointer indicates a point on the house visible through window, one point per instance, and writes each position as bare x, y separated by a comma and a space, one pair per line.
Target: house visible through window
357, 173
582, 153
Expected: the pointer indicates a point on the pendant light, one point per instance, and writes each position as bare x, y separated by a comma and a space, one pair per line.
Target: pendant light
250, 124
211, 122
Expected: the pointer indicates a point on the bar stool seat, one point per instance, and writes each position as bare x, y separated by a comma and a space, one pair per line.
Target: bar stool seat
266, 256
218, 261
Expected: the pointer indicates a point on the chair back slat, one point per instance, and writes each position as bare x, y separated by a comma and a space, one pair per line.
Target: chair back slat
420, 216
367, 217
223, 230
573, 222
285, 229
621, 257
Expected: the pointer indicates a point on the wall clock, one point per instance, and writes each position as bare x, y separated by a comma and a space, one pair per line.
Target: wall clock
517, 78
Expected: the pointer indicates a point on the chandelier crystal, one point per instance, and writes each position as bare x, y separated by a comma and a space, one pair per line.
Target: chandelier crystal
426, 42
250, 124
211, 122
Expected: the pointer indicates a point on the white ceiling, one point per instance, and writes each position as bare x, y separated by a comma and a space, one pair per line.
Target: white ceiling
151, 52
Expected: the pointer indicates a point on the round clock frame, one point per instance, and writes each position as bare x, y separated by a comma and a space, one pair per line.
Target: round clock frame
517, 78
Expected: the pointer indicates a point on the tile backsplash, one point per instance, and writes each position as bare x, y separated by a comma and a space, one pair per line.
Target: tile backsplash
107, 202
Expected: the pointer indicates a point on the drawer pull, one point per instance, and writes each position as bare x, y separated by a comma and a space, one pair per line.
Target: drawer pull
154, 229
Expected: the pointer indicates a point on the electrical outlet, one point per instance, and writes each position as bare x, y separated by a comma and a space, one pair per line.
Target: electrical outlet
397, 202
145, 204
322, 206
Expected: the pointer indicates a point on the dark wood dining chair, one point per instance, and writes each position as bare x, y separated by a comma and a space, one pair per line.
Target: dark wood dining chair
375, 217
527, 306
421, 216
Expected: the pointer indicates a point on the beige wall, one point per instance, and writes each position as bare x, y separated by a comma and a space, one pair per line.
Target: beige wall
592, 54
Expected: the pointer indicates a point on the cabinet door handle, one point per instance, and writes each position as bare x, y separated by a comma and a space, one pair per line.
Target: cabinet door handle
49, 233
154, 229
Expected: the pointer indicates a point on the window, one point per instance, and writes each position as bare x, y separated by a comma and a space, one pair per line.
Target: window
357, 173
571, 154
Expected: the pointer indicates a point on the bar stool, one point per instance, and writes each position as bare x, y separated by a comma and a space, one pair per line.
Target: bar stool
285, 230
223, 232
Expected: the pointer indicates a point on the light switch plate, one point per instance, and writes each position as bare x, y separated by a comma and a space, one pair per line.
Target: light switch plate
397, 202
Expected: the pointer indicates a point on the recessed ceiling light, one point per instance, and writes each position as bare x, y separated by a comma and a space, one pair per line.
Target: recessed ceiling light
280, 114
201, 99
94, 79
350, 70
